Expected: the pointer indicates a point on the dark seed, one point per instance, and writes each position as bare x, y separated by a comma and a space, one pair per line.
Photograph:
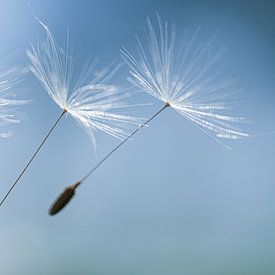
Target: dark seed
63, 199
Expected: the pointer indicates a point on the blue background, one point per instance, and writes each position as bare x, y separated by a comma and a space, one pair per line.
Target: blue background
170, 202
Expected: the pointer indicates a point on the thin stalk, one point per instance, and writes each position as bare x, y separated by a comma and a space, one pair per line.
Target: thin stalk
64, 198
32, 158
122, 142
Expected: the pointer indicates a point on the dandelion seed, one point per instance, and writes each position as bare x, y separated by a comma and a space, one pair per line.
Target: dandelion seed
91, 101
8, 102
183, 78
61, 202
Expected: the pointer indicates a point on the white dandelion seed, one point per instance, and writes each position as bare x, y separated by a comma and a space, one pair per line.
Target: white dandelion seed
91, 101
184, 79
8, 102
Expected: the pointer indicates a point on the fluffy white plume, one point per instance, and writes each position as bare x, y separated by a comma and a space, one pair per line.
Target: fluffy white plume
8, 102
92, 101
184, 76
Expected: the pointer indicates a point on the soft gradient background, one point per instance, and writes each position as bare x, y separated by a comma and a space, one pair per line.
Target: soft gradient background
172, 201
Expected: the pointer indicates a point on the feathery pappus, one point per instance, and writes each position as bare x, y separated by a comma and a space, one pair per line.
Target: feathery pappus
184, 75
8, 101
92, 101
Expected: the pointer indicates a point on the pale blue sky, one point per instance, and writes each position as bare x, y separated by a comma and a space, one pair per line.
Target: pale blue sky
170, 202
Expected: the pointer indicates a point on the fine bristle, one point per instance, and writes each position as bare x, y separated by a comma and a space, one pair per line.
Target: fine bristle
63, 199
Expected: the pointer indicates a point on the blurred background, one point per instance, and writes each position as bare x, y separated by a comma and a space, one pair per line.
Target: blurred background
172, 201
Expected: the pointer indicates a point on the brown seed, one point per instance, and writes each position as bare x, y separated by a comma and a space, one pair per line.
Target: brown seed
63, 199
